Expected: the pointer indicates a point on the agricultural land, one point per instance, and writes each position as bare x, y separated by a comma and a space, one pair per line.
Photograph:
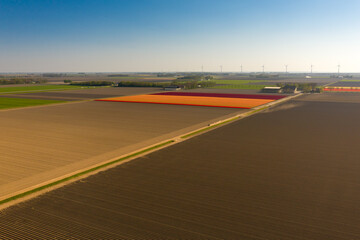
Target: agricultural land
287, 173
233, 163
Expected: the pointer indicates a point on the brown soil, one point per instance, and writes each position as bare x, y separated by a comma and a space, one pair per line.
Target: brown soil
290, 173
40, 144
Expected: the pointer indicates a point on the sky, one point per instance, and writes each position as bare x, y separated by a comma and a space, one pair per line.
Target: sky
179, 35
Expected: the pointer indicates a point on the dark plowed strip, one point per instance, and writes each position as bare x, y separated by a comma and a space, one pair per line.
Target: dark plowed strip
224, 95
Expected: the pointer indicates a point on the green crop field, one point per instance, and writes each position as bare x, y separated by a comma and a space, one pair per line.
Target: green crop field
6, 103
125, 77
236, 82
240, 84
350, 80
37, 88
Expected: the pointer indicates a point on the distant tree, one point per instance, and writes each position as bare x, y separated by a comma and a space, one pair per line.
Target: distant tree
143, 84
92, 83
22, 81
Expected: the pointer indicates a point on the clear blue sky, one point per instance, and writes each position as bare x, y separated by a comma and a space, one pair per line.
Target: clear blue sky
179, 35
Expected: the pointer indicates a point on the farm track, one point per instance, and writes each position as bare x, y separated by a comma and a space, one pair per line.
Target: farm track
288, 173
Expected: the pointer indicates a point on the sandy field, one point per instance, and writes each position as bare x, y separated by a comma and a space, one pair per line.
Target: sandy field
289, 173
42, 143
346, 97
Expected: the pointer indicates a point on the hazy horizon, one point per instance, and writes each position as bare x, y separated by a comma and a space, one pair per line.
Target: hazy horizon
179, 36
212, 72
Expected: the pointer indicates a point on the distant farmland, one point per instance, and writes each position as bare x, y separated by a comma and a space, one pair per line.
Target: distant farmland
6, 103
240, 84
36, 88
74, 94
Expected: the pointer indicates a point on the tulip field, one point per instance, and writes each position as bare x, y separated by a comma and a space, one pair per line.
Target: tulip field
245, 101
342, 89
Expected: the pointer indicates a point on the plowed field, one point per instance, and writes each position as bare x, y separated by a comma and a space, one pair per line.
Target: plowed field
40, 144
291, 173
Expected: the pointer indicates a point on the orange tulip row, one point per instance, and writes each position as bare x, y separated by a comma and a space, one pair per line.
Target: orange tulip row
246, 103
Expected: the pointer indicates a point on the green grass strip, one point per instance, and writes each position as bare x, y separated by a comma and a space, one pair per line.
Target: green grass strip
241, 86
207, 128
255, 111
350, 80
216, 125
36, 88
7, 103
21, 195
238, 82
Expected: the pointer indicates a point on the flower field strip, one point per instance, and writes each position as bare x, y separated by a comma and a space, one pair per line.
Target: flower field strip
342, 89
192, 101
224, 95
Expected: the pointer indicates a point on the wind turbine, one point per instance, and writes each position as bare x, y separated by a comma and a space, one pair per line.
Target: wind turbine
221, 68
263, 68
286, 68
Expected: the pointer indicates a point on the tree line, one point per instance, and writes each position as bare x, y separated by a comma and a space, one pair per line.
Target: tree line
21, 81
304, 87
90, 83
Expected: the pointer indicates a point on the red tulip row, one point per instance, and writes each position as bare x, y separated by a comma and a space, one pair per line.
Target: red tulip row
342, 89
222, 95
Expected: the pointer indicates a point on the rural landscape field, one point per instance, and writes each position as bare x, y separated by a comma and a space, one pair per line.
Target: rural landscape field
216, 177
215, 184
151, 119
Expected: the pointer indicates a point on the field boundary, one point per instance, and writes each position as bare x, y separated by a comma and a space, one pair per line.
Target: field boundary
238, 117
42, 188
53, 184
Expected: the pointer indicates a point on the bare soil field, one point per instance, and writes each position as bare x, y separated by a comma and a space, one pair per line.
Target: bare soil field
84, 94
40, 144
346, 84
350, 97
289, 173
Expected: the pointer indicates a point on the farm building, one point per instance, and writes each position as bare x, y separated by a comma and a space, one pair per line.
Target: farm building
271, 90
290, 89
172, 88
